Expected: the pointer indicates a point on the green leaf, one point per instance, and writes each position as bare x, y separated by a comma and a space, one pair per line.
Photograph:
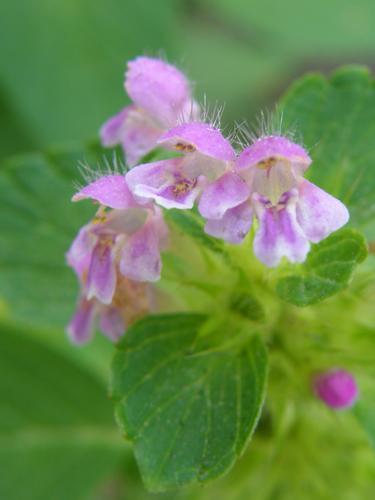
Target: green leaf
336, 119
327, 270
57, 435
364, 409
189, 415
191, 223
15, 134
366, 416
75, 81
37, 225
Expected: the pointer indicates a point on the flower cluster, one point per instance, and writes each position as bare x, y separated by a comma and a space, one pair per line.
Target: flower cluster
113, 256
265, 182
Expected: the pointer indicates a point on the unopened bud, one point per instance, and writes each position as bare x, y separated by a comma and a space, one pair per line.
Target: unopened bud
336, 388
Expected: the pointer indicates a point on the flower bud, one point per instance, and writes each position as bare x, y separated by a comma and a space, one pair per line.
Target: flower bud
336, 388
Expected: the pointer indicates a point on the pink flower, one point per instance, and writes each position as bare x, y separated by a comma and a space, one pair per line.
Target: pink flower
123, 242
131, 301
81, 326
291, 211
161, 98
176, 183
336, 388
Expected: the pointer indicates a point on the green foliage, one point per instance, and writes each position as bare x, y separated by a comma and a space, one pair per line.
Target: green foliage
327, 270
287, 34
192, 224
60, 78
246, 57
364, 410
15, 134
57, 433
247, 305
37, 224
62, 63
189, 414
336, 120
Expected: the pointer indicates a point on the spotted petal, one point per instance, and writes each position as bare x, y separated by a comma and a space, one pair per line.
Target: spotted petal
201, 138
164, 182
279, 234
273, 146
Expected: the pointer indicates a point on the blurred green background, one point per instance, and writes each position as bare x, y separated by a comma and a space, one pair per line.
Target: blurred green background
61, 75
62, 61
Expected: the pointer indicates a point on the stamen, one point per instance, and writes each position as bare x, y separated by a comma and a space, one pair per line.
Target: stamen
100, 216
268, 163
182, 187
186, 148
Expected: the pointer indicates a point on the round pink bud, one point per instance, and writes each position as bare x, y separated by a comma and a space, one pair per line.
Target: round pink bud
336, 388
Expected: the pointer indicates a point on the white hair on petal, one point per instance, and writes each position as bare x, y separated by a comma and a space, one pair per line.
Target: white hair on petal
202, 112
242, 135
267, 123
212, 114
105, 168
190, 114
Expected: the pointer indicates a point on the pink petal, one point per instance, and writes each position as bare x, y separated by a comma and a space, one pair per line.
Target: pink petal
318, 213
109, 190
112, 131
81, 326
273, 146
234, 225
157, 87
135, 130
161, 227
225, 193
164, 182
123, 221
79, 254
140, 257
112, 323
199, 137
279, 234
101, 277
140, 135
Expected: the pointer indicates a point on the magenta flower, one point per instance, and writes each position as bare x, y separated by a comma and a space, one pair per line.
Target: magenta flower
336, 388
120, 243
291, 211
204, 169
161, 99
